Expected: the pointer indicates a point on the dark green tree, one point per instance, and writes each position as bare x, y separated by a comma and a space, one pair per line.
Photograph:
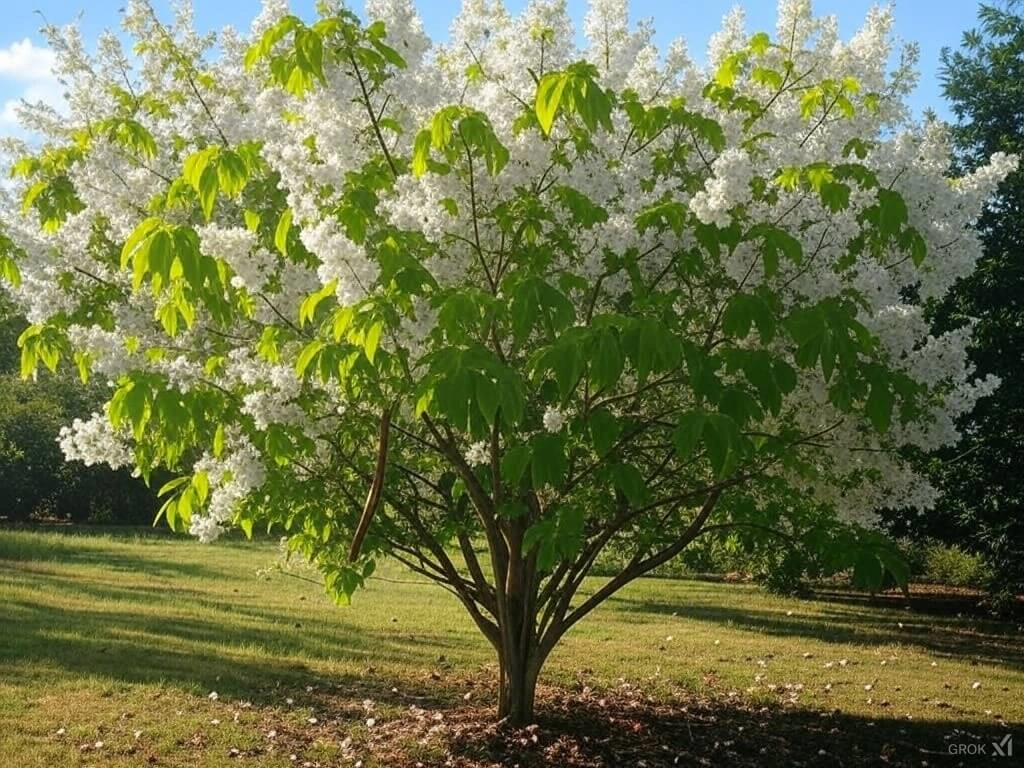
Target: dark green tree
983, 479
34, 477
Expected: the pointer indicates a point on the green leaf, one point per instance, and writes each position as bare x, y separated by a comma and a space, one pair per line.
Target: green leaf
9, 271
789, 178
514, 464
548, 464
760, 43
137, 239
739, 405
776, 242
785, 376
269, 39
857, 146
308, 354
835, 196
912, 241
652, 347
535, 300
766, 76
541, 536
423, 402
232, 174
688, 433
372, 340
757, 367
892, 212
606, 361
168, 316
196, 165
604, 430
845, 106
512, 396
895, 564
421, 153
729, 69
161, 247
487, 397
738, 316
569, 531
630, 481
390, 54
173, 485
724, 442
307, 310
453, 393
879, 404
585, 212
441, 129
284, 226
549, 98
309, 53
219, 441
868, 572
566, 360
810, 101
209, 183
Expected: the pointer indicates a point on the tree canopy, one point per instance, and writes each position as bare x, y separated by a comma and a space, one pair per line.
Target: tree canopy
983, 493
490, 306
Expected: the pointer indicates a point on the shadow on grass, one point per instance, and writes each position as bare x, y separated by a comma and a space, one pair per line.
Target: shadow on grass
622, 727
990, 641
935, 600
66, 550
177, 620
252, 654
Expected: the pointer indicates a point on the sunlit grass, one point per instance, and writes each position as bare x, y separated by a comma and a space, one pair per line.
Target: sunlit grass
106, 636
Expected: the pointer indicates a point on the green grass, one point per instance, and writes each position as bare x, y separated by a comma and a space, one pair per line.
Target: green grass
107, 635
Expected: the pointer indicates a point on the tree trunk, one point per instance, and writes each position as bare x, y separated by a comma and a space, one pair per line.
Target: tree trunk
518, 686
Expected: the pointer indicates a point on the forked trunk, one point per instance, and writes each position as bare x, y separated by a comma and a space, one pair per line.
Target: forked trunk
518, 686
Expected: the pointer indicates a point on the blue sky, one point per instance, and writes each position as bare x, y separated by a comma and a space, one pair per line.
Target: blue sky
24, 60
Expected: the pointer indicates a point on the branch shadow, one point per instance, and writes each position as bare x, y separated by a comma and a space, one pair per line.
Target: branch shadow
194, 654
991, 641
622, 727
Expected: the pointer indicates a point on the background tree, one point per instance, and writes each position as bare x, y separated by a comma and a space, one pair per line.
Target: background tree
491, 307
36, 479
983, 487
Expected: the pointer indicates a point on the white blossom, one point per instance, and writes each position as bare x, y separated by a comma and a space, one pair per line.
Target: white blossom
478, 454
554, 419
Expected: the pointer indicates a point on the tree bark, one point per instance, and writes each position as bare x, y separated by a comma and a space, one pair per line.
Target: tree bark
520, 669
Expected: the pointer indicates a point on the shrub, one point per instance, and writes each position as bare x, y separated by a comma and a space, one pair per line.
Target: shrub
951, 565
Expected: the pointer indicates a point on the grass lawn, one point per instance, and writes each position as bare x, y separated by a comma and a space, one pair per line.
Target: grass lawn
111, 649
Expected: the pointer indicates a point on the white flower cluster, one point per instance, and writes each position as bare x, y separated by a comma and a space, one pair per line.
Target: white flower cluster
341, 260
237, 247
478, 454
729, 186
231, 480
93, 441
554, 419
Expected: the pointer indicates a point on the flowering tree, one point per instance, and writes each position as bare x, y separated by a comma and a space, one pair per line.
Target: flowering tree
502, 295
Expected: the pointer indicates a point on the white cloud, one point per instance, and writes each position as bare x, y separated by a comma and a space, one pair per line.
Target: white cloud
26, 74
25, 62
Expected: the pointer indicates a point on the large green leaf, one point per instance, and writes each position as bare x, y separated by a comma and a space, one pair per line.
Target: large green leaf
548, 460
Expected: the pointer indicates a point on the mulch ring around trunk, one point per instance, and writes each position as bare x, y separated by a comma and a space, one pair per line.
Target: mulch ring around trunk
615, 728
